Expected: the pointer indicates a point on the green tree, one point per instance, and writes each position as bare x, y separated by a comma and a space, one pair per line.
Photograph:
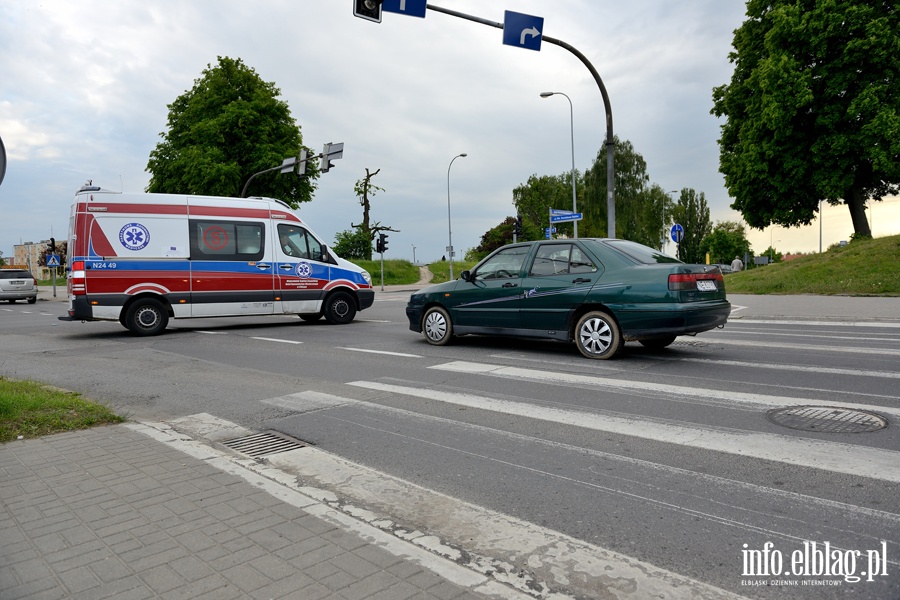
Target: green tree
229, 126
642, 209
727, 240
692, 213
534, 199
353, 244
813, 109
494, 238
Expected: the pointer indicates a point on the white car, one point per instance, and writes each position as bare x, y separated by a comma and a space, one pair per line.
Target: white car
18, 284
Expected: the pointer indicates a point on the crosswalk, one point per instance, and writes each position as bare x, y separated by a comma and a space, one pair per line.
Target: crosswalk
715, 492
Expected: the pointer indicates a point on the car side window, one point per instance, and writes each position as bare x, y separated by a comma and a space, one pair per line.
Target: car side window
560, 259
580, 263
505, 264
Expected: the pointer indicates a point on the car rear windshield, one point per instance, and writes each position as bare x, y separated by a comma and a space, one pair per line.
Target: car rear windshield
10, 274
641, 253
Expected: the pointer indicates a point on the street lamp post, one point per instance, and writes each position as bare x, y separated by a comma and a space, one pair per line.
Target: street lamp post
449, 223
572, 128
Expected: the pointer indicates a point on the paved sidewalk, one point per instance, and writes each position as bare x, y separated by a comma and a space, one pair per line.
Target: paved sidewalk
123, 512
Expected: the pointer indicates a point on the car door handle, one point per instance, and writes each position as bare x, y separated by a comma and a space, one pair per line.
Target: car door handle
262, 266
581, 280
510, 285
287, 267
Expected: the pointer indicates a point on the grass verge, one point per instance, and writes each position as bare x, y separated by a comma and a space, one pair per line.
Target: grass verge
396, 272
865, 267
29, 409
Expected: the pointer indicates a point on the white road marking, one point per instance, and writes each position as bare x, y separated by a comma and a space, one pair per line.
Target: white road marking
835, 323
780, 367
836, 457
265, 339
775, 345
402, 354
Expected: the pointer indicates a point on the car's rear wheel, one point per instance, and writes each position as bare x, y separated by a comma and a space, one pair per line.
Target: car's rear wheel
340, 308
597, 335
146, 317
437, 326
658, 343
12, 301
32, 300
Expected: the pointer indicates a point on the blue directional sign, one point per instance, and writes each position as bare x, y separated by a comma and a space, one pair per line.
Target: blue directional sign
677, 233
522, 30
53, 260
411, 8
565, 218
548, 231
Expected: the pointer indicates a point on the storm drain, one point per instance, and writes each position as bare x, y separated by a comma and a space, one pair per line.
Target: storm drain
263, 444
827, 419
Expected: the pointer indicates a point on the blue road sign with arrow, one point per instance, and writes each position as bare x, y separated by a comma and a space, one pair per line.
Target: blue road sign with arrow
677, 233
522, 30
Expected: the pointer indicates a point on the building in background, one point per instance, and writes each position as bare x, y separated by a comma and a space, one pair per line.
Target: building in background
28, 255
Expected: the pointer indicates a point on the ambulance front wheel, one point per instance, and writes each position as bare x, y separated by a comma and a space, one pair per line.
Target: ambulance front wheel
146, 317
340, 308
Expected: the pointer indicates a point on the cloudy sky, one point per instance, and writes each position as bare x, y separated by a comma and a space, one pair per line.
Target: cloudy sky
86, 84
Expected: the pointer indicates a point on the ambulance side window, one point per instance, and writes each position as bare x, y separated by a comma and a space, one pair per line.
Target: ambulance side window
227, 240
297, 242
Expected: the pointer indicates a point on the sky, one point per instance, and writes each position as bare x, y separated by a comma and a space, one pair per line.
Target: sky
86, 85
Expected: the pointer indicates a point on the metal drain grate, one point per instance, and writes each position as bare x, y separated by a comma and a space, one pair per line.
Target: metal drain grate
827, 419
264, 444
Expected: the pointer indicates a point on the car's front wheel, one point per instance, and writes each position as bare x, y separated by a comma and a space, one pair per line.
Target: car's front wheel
437, 326
340, 308
597, 335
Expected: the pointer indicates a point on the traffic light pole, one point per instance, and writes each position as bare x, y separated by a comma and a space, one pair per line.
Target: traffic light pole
610, 140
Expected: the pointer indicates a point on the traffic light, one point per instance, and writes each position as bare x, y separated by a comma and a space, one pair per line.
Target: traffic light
369, 10
52, 245
384, 238
518, 226
379, 244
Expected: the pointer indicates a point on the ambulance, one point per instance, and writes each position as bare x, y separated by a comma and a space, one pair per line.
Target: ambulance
142, 259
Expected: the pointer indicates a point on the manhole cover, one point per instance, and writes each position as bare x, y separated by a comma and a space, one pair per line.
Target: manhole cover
264, 444
827, 419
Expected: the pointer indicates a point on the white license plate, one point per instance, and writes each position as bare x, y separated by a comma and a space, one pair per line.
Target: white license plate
706, 285
17, 282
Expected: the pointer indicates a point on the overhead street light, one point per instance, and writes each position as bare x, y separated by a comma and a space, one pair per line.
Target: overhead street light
572, 126
449, 225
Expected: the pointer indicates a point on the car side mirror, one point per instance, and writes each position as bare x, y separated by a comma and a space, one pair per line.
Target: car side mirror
465, 276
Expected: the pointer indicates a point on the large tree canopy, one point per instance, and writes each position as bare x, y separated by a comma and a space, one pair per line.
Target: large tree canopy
813, 109
229, 126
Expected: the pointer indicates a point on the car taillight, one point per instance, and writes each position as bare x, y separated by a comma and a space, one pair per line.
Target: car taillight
76, 278
688, 281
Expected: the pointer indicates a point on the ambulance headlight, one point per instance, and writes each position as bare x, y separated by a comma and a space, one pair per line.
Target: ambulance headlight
367, 277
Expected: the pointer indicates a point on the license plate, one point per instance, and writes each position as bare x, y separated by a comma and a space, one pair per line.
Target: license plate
17, 282
706, 285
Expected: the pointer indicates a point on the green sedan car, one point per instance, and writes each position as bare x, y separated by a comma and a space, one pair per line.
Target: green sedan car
598, 293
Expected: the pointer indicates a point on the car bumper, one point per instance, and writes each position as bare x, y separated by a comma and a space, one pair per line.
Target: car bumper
648, 321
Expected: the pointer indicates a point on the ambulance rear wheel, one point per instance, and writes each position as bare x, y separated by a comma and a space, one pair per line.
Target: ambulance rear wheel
146, 317
340, 308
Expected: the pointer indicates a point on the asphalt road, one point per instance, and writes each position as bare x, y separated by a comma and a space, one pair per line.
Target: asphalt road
563, 472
